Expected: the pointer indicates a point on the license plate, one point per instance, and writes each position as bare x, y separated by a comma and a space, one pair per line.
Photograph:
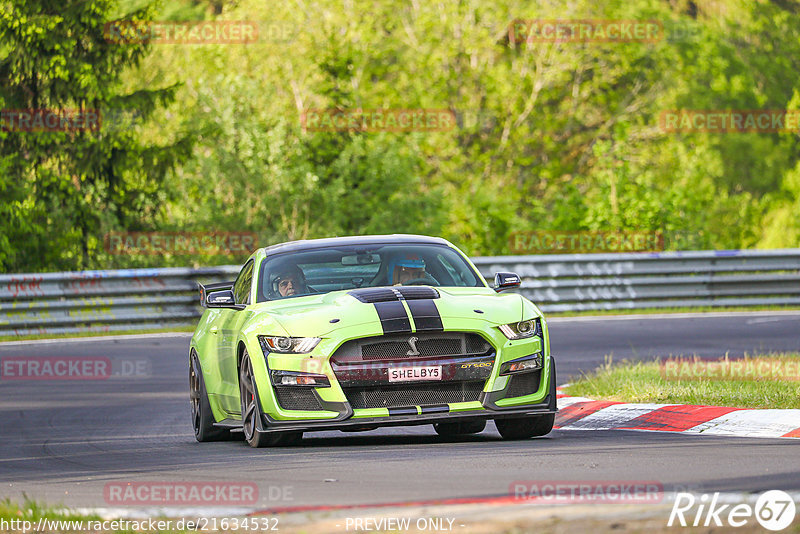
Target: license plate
405, 374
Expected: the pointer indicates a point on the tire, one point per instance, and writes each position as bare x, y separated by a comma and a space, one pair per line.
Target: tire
202, 417
525, 427
460, 428
251, 412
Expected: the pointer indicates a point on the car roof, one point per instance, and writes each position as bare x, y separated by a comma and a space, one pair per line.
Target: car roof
369, 240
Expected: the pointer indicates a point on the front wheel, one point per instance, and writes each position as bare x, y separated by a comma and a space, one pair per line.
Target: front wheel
251, 412
202, 418
525, 427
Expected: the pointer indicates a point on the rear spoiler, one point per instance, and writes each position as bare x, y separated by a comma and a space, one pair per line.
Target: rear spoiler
205, 289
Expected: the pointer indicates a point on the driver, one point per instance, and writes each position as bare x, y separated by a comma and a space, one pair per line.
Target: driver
409, 268
288, 282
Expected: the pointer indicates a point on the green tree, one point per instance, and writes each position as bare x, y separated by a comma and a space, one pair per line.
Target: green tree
64, 189
549, 136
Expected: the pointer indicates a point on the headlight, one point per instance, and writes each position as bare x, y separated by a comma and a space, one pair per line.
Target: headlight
526, 363
521, 330
288, 345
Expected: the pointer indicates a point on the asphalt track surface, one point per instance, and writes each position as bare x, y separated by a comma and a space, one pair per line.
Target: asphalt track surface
63, 441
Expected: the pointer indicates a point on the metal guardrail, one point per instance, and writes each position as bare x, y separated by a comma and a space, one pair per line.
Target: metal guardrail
103, 301
578, 282
134, 299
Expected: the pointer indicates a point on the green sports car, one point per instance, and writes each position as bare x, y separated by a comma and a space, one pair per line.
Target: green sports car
355, 333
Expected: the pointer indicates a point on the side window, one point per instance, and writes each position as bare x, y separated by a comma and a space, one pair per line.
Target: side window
241, 288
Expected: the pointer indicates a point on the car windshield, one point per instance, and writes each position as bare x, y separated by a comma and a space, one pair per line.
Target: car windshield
351, 267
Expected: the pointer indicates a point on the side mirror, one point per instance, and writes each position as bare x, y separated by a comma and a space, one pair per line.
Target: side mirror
221, 299
503, 281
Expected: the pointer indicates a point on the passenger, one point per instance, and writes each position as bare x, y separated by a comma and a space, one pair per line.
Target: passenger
409, 268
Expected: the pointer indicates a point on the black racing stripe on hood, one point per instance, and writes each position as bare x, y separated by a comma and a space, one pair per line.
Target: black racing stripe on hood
426, 315
393, 316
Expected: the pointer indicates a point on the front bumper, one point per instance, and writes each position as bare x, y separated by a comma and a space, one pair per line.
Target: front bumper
485, 408
360, 395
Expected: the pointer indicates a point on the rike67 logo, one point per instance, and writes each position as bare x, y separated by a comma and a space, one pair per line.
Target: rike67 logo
774, 510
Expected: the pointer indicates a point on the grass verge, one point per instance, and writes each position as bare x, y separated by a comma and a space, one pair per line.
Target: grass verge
700, 382
33, 518
597, 518
24, 518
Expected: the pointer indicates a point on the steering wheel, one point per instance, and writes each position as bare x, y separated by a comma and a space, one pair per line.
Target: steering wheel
421, 282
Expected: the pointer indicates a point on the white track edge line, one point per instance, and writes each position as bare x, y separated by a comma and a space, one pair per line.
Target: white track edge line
683, 315
94, 338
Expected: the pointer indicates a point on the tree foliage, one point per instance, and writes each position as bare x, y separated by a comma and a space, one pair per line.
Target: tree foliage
62, 189
548, 135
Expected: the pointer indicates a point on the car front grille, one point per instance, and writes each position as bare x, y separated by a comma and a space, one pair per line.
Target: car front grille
401, 347
297, 398
413, 395
523, 384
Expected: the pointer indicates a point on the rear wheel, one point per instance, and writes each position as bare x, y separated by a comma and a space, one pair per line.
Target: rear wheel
251, 412
202, 418
460, 428
525, 427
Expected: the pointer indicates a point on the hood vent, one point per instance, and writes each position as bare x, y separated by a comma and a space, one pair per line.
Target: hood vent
371, 295
417, 292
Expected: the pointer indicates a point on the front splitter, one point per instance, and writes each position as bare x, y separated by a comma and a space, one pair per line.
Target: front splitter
410, 420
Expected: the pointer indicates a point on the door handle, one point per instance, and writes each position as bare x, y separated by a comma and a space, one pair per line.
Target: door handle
213, 329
